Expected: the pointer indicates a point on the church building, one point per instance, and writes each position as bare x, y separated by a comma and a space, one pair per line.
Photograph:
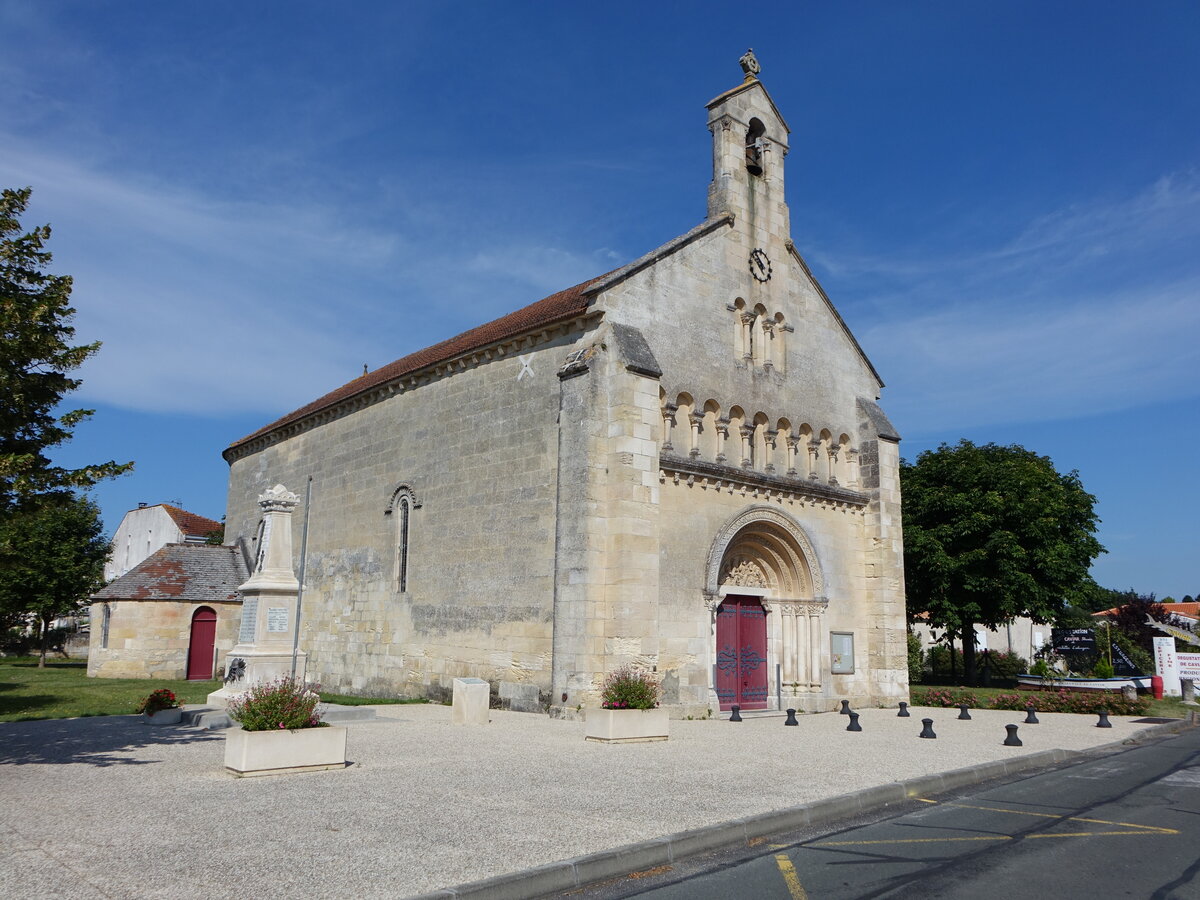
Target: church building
681, 464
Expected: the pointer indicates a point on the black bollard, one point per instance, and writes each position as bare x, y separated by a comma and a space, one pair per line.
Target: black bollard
1012, 740
1031, 716
927, 729
854, 726
791, 719
845, 710
1104, 723
737, 714
904, 713
962, 711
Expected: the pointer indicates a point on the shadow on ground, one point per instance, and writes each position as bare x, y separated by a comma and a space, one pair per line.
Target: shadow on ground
99, 741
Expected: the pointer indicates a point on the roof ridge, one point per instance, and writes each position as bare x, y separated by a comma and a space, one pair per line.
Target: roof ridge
556, 307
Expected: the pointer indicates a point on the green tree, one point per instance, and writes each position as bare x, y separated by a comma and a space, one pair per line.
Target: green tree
51, 559
36, 355
992, 533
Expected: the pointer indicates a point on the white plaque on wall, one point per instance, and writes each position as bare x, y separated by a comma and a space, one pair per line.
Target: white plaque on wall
277, 619
249, 618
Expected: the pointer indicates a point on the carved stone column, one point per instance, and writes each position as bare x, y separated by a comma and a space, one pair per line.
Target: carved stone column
768, 328
694, 422
832, 453
722, 439
747, 433
851, 468
769, 445
748, 335
814, 643
803, 651
669, 411
791, 454
787, 612
814, 450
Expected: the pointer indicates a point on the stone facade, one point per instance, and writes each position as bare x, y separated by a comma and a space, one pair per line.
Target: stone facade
144, 622
579, 485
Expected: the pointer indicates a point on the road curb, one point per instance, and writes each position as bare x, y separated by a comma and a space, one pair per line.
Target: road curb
579, 871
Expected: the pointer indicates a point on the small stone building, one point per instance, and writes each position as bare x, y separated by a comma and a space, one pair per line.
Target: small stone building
174, 615
144, 530
680, 464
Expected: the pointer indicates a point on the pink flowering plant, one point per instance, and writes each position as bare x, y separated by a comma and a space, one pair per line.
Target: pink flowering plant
630, 688
1043, 701
157, 701
285, 703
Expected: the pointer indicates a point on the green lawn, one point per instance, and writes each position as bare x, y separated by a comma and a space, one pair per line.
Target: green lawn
62, 690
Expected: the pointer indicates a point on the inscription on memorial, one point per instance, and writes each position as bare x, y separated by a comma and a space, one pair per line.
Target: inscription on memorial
249, 617
277, 619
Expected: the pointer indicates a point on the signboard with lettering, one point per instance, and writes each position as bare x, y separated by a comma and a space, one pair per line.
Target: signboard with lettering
249, 619
1166, 664
1189, 666
277, 619
1068, 641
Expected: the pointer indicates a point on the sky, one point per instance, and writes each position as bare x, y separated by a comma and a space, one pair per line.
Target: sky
257, 200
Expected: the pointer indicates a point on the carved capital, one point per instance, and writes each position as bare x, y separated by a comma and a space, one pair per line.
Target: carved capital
278, 499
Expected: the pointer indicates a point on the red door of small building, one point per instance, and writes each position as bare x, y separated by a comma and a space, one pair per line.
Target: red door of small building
741, 676
200, 650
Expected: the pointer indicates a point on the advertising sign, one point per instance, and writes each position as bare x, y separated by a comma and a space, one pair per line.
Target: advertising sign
1067, 641
1166, 664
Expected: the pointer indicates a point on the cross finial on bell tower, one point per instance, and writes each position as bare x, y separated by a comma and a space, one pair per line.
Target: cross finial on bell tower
750, 65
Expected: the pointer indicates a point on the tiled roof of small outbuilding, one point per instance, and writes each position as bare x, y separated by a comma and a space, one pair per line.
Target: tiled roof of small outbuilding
187, 573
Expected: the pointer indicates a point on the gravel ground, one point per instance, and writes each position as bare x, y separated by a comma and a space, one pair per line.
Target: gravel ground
109, 807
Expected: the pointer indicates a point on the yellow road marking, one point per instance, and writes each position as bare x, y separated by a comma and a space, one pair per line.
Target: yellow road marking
1130, 828
1025, 812
795, 888
1000, 837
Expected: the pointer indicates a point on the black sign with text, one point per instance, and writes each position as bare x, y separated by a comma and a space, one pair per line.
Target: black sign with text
1068, 641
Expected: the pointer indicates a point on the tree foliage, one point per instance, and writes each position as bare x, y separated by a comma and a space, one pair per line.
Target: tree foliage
991, 533
36, 355
51, 559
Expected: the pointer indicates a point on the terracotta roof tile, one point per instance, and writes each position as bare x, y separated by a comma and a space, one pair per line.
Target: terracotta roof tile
1188, 610
547, 311
191, 573
191, 524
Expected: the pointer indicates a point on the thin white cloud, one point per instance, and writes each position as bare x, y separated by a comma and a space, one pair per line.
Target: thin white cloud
1086, 310
215, 305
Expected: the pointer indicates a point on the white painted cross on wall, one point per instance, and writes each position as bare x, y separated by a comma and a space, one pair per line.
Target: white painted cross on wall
526, 366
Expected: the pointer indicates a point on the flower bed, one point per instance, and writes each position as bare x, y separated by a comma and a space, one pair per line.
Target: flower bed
1042, 701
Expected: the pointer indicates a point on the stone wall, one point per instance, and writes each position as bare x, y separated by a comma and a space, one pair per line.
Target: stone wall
476, 449
150, 638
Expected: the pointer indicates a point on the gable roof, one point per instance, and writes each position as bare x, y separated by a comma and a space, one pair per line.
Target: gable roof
1184, 610
190, 573
191, 524
549, 310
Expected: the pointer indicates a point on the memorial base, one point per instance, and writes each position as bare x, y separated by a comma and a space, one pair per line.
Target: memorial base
261, 665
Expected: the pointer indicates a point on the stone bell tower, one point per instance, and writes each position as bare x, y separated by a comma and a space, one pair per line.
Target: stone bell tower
750, 142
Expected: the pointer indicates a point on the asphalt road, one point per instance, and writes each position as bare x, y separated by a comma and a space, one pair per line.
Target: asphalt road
1123, 825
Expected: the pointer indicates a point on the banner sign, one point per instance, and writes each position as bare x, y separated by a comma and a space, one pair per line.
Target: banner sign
1073, 640
1189, 666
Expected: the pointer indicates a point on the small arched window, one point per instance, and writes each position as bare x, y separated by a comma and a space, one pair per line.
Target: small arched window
403, 502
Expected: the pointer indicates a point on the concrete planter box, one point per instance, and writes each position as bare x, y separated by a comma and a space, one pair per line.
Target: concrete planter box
277, 752
626, 726
163, 717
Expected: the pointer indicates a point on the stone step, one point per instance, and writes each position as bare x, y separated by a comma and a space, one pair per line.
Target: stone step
212, 718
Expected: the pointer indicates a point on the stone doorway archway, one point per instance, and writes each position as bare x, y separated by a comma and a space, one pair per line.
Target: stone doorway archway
764, 556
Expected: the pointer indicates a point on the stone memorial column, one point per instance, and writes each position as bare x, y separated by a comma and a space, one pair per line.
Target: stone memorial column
264, 648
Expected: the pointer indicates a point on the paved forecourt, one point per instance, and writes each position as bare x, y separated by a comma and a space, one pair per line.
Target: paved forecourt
108, 807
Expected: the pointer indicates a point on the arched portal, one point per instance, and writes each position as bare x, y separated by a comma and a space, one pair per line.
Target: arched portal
200, 647
764, 587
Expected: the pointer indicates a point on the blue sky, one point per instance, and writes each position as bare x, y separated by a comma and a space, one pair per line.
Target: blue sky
1003, 200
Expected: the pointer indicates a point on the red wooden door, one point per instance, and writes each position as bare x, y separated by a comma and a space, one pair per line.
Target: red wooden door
200, 650
741, 677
